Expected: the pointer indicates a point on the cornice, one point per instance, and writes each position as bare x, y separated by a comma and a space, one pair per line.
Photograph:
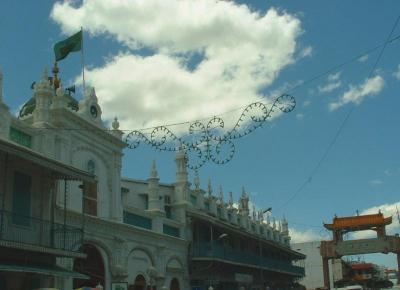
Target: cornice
118, 228
92, 128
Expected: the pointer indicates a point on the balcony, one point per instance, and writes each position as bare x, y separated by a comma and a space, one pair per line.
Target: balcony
36, 232
235, 256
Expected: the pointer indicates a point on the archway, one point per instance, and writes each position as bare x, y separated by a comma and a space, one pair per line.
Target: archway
174, 285
93, 266
139, 284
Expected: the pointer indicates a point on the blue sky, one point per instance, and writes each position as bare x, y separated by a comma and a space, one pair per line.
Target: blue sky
155, 64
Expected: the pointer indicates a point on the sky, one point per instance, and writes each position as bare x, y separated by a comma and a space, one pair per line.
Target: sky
158, 62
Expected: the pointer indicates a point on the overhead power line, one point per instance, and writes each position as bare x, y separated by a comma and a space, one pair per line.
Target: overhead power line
389, 39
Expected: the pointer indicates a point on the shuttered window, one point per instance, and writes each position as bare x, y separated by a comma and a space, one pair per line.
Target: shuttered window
90, 198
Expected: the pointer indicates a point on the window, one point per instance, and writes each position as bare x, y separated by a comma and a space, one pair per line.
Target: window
21, 204
20, 137
167, 206
145, 200
90, 198
171, 231
137, 220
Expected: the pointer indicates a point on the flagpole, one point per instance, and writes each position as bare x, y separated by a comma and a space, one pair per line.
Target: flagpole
83, 64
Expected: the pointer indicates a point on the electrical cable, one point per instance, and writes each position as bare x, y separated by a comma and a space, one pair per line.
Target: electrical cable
342, 125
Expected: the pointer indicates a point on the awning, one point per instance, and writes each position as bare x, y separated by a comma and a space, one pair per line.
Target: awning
44, 270
59, 169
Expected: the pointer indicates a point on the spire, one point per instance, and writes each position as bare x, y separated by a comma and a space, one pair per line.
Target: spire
209, 187
254, 212
181, 170
153, 187
221, 194
153, 172
196, 180
230, 199
43, 93
244, 203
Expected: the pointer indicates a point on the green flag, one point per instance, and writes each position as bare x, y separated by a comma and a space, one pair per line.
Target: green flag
64, 47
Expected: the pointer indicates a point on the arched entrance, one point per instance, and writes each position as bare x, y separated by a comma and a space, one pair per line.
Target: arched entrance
93, 266
174, 285
139, 284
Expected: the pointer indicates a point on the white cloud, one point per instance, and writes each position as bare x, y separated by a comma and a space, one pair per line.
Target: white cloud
306, 52
332, 84
300, 116
356, 94
309, 235
306, 103
364, 58
387, 210
334, 77
375, 182
241, 52
396, 74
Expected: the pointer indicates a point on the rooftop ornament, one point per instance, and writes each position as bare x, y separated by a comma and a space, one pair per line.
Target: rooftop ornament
207, 141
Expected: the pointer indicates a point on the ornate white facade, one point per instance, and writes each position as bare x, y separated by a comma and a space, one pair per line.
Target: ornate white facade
142, 229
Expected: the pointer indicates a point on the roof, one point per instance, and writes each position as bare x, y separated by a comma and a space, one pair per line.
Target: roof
59, 169
360, 222
362, 266
30, 106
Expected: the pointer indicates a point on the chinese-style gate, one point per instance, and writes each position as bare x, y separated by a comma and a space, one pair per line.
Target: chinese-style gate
337, 248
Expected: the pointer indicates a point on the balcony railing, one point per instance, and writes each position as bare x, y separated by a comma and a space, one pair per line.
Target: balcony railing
228, 254
33, 231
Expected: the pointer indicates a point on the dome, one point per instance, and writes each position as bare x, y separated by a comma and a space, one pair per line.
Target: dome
29, 106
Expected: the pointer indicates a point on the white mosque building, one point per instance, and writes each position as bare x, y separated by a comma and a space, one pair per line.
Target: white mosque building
69, 220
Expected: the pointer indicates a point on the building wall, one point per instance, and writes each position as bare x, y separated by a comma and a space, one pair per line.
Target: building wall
314, 277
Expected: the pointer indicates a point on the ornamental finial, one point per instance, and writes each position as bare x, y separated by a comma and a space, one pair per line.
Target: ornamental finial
221, 194
153, 172
115, 124
209, 187
197, 180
